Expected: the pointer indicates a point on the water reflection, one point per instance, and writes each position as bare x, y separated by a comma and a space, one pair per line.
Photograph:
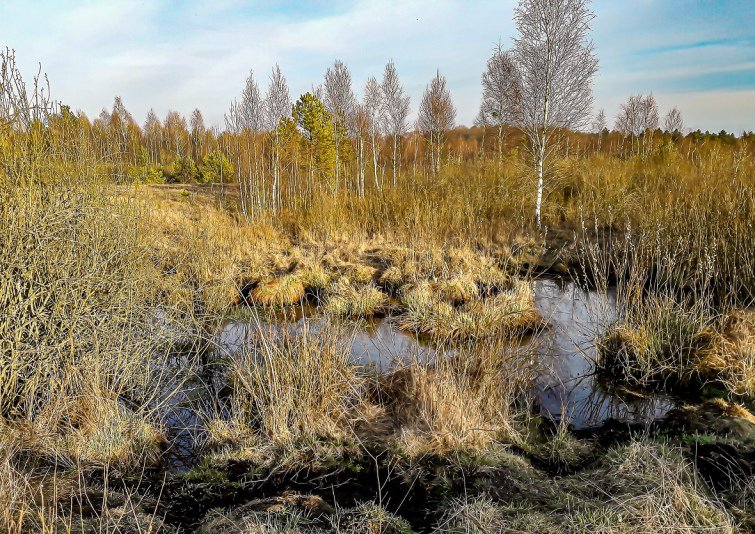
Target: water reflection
374, 342
569, 386
566, 387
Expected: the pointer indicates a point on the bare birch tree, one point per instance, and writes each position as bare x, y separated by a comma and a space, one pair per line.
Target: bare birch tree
396, 110
234, 124
340, 102
277, 105
198, 129
251, 104
638, 119
501, 93
557, 63
153, 134
673, 122
650, 121
629, 120
277, 102
362, 126
121, 122
174, 130
436, 116
251, 117
481, 121
599, 125
374, 109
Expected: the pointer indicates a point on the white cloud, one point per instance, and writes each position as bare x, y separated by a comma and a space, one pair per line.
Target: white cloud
170, 55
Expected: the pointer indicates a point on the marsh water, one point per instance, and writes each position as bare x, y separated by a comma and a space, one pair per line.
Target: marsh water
567, 386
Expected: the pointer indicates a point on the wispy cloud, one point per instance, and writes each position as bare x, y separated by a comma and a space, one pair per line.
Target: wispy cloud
181, 55
715, 43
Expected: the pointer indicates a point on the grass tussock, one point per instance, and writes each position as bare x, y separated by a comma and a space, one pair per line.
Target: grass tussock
464, 402
300, 514
731, 354
643, 487
509, 314
347, 300
305, 389
295, 388
664, 342
283, 291
61, 502
658, 340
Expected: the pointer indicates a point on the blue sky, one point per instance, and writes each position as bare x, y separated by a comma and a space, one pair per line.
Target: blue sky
696, 54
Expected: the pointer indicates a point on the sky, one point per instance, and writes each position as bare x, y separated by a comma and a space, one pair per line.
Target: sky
698, 55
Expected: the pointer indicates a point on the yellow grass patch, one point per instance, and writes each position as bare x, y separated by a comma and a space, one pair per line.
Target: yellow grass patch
347, 300
283, 291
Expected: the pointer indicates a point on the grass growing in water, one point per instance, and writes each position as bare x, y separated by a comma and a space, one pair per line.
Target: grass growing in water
509, 313
347, 300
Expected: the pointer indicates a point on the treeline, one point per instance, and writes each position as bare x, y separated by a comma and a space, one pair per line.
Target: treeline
283, 153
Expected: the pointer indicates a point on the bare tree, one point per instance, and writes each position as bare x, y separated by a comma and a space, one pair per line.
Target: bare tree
557, 64
501, 93
232, 118
362, 126
234, 124
374, 108
277, 99
481, 121
122, 125
277, 106
396, 109
673, 122
340, 102
174, 129
599, 125
198, 129
638, 119
19, 105
436, 116
650, 122
252, 119
153, 133
629, 121
251, 104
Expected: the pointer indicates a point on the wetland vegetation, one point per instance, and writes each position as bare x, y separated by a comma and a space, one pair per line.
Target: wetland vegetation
326, 324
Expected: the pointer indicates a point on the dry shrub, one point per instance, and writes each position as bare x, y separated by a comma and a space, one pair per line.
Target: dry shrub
83, 327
